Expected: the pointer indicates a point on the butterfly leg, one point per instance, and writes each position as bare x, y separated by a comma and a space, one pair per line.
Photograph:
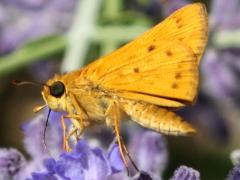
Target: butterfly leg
77, 120
123, 148
77, 128
130, 158
71, 133
66, 136
113, 111
81, 114
117, 132
66, 146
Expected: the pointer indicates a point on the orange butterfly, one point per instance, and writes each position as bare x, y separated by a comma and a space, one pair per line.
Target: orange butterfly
145, 79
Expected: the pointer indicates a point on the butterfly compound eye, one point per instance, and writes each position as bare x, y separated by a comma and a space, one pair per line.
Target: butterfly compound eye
57, 89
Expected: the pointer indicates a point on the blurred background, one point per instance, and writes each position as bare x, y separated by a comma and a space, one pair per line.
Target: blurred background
39, 38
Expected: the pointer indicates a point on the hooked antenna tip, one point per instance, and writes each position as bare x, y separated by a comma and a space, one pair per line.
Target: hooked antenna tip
15, 82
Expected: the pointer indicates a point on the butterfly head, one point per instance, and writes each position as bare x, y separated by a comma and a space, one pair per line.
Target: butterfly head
54, 93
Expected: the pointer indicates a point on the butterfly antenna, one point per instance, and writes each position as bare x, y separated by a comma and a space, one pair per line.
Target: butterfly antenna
44, 132
20, 83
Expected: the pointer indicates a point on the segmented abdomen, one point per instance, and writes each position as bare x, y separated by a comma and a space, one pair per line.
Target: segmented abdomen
156, 118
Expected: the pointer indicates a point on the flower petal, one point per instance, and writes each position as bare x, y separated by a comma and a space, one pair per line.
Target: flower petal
11, 162
150, 152
33, 141
115, 158
43, 176
234, 173
83, 163
186, 173
144, 176
50, 164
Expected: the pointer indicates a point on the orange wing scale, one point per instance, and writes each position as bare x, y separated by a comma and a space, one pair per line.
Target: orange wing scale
160, 66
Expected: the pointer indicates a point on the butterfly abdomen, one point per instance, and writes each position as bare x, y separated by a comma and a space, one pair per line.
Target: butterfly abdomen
157, 118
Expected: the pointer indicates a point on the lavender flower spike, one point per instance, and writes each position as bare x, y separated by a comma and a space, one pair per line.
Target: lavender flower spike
186, 173
144, 176
150, 152
11, 161
234, 174
82, 163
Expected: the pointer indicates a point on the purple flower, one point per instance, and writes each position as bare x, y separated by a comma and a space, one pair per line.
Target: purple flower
50, 165
33, 131
11, 162
43, 176
186, 173
157, 8
219, 79
143, 176
115, 158
151, 8
168, 7
24, 20
33, 141
150, 152
230, 19
83, 162
220, 66
234, 174
30, 4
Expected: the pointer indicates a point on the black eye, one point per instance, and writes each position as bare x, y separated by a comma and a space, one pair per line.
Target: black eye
57, 89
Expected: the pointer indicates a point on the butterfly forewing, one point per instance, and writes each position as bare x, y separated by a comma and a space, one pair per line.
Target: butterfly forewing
188, 25
160, 64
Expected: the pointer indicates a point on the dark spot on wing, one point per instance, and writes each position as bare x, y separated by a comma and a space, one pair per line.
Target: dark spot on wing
168, 53
151, 48
136, 70
180, 39
179, 26
178, 20
178, 75
174, 86
133, 56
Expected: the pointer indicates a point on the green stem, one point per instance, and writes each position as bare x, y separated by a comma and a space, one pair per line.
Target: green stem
227, 39
48, 46
32, 52
108, 46
83, 31
79, 36
118, 33
112, 8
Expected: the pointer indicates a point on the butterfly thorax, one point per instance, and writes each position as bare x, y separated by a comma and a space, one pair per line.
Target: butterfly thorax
91, 99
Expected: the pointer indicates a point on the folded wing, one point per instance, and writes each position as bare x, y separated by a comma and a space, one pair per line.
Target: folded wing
159, 67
